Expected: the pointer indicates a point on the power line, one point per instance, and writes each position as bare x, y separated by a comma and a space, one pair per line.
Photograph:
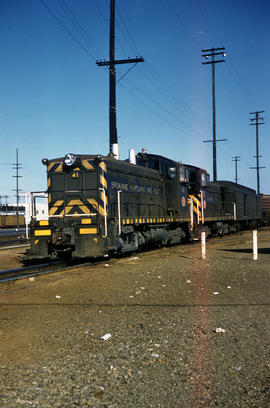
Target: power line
169, 91
67, 30
162, 108
153, 111
213, 36
101, 12
165, 87
128, 37
83, 33
182, 22
140, 91
77, 24
123, 76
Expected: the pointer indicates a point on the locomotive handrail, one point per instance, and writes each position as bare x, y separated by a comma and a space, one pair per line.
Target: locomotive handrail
72, 215
234, 211
119, 211
191, 214
202, 205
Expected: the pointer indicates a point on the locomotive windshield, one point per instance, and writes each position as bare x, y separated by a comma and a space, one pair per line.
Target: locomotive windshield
183, 174
205, 179
171, 172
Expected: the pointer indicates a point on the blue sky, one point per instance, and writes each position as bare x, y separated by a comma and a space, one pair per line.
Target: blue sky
54, 98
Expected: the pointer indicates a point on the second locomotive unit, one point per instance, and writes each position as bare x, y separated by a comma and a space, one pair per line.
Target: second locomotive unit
99, 205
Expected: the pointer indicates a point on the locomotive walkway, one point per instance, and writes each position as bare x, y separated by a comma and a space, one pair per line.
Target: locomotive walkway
159, 329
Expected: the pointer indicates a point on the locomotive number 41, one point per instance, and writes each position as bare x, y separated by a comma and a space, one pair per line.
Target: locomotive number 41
75, 174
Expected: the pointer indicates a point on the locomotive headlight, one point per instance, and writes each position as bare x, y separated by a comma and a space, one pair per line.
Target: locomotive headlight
70, 159
45, 162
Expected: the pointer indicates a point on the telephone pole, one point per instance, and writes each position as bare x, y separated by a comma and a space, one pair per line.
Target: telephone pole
17, 168
112, 76
257, 119
236, 159
6, 197
213, 52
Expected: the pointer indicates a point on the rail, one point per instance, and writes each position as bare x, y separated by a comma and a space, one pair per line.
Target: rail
7, 275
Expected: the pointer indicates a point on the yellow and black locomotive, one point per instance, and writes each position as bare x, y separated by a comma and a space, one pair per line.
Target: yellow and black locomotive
99, 206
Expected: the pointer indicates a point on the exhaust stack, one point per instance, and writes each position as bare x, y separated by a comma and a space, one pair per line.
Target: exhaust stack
132, 156
115, 150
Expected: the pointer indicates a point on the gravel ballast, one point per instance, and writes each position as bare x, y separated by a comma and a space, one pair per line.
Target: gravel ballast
158, 329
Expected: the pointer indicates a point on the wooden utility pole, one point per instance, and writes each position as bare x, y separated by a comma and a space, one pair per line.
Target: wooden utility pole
17, 168
236, 159
212, 52
257, 123
112, 76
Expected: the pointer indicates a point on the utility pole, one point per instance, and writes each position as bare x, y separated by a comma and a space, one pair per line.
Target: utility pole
236, 159
212, 52
6, 197
257, 123
17, 168
5, 222
112, 76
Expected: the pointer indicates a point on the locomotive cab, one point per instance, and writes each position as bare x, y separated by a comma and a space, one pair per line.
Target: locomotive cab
175, 177
198, 179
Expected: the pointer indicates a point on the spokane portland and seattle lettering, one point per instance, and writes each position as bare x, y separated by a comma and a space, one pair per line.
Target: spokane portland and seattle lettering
134, 188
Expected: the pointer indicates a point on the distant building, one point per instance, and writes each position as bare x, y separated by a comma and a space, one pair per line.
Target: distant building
35, 206
39, 209
11, 209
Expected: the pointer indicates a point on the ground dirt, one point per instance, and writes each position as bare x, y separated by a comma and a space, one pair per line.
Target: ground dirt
181, 331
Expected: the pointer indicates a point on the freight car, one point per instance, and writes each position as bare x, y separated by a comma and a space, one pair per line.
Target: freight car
99, 205
266, 208
11, 221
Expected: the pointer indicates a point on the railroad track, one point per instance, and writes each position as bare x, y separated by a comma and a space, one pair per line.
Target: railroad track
14, 245
7, 275
13, 242
25, 272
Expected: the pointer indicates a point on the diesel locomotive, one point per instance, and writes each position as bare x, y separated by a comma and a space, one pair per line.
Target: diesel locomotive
100, 206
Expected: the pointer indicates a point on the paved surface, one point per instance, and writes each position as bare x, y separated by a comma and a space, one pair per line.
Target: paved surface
181, 332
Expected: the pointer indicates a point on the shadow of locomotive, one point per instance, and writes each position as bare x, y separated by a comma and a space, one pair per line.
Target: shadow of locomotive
247, 250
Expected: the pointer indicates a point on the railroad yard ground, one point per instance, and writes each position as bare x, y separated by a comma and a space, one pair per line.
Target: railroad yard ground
179, 331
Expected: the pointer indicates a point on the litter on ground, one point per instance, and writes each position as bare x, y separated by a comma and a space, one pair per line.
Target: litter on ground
106, 336
220, 330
